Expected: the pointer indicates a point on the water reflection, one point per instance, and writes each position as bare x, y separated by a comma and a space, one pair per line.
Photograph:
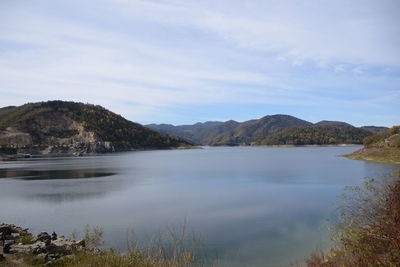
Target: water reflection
58, 185
26, 174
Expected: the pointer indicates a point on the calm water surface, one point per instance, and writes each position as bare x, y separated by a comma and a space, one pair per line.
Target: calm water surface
252, 206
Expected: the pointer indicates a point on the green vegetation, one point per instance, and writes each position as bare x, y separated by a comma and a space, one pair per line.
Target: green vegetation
316, 135
25, 239
381, 147
368, 233
107, 125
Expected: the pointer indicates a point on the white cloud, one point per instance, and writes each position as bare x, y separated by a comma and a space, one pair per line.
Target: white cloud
160, 54
340, 68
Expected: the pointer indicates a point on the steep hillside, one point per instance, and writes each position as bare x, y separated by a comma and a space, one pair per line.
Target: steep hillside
210, 135
381, 147
316, 135
69, 127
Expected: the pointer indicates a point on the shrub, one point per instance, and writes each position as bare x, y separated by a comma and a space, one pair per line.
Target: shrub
368, 233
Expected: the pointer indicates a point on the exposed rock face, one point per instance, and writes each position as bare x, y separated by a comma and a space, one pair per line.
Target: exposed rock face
16, 240
52, 133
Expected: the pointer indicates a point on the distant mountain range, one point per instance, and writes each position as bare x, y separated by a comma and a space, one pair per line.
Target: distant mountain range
269, 130
56, 127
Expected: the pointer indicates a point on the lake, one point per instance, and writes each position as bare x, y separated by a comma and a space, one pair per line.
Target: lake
251, 206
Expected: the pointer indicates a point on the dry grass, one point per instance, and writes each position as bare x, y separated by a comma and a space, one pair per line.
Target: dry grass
171, 249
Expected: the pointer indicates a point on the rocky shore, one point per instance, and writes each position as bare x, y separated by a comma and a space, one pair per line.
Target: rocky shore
44, 248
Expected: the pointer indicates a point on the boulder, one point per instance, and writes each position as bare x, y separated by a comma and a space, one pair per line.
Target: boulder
6, 248
5, 230
45, 247
9, 229
19, 248
43, 237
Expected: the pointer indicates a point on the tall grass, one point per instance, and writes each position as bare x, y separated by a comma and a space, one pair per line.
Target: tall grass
173, 248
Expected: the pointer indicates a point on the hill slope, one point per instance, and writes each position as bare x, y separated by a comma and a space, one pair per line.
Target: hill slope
381, 147
333, 123
316, 135
233, 132
375, 129
251, 131
69, 127
195, 133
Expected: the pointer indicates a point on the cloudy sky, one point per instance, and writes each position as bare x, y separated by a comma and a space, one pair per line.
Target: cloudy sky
183, 61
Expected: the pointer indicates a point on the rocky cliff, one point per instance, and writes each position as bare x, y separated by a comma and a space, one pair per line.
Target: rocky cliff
74, 128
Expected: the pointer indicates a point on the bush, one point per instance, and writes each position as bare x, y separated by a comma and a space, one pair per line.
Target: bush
368, 233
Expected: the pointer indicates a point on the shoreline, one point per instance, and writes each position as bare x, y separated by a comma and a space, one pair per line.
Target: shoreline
19, 156
325, 145
369, 159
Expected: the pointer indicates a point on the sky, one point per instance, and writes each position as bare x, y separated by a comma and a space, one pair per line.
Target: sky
183, 61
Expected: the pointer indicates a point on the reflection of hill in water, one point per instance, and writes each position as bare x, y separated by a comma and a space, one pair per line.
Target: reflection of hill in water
67, 197
53, 174
60, 185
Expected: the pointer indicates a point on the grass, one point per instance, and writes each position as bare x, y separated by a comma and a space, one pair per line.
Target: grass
382, 155
136, 257
173, 249
25, 239
382, 147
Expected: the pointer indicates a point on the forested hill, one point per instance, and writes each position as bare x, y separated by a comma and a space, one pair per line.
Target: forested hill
381, 147
232, 132
59, 126
316, 135
258, 131
375, 129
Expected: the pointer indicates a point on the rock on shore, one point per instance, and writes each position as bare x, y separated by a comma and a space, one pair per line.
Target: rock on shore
17, 241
